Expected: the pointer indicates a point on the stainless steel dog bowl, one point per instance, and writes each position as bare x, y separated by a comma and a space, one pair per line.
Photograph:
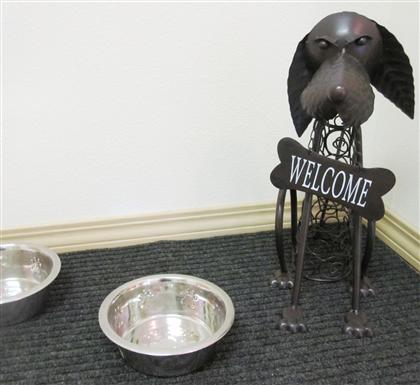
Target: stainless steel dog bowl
26, 271
166, 324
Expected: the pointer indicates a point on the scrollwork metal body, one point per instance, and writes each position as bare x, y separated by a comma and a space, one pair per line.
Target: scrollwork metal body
328, 251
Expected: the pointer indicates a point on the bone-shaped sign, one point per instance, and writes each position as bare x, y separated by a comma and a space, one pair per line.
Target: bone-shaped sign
357, 188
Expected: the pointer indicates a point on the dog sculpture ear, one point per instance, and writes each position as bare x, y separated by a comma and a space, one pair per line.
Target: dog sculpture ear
299, 78
394, 77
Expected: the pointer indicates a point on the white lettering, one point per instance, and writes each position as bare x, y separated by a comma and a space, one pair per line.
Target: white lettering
308, 174
296, 170
323, 179
315, 177
342, 185
350, 193
364, 192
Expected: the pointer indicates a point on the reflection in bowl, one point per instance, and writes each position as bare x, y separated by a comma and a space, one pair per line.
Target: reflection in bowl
26, 272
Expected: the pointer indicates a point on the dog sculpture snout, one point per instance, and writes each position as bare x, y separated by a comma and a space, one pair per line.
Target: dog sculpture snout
340, 86
337, 94
336, 63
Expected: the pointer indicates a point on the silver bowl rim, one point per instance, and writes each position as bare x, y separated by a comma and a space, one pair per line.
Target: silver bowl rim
114, 337
56, 267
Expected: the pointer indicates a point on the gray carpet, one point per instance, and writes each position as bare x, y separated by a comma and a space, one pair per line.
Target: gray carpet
64, 344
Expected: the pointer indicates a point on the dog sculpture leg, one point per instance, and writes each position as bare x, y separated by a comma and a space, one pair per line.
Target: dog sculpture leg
365, 285
292, 317
355, 319
293, 208
281, 277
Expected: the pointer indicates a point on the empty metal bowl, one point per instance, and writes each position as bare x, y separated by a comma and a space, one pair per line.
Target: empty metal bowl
26, 271
166, 324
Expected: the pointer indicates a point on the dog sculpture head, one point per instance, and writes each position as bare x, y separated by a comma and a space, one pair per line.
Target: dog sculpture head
336, 63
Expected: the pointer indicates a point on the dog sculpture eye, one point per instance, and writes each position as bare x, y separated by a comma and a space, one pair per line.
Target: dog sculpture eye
362, 40
323, 44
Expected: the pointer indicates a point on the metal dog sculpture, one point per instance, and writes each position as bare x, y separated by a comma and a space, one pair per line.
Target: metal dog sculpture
331, 76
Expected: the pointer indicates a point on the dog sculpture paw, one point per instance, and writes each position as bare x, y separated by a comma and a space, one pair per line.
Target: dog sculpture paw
292, 320
356, 324
281, 280
366, 289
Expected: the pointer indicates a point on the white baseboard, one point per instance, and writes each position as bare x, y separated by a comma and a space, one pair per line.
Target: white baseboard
143, 229
192, 224
400, 237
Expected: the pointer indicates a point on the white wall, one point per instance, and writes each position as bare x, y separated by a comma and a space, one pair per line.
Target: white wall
123, 109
